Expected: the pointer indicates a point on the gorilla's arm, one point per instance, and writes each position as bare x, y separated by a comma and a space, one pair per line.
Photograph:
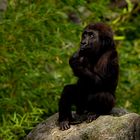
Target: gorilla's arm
76, 63
98, 73
107, 69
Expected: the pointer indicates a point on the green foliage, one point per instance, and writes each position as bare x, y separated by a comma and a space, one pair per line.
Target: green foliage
36, 41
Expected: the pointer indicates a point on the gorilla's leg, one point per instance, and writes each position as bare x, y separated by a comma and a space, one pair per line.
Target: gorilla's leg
100, 104
68, 98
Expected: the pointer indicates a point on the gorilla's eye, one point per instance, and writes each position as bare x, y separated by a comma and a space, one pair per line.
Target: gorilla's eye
85, 34
91, 34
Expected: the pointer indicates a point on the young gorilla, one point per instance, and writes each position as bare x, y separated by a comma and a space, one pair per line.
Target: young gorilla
96, 66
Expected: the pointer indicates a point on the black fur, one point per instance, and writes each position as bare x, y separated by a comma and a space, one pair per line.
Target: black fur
96, 66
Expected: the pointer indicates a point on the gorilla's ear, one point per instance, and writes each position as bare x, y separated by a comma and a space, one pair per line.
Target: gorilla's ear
107, 42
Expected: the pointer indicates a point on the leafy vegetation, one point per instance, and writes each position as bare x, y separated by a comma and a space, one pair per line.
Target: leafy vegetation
36, 41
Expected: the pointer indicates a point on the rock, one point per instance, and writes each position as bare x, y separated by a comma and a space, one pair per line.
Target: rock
120, 125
